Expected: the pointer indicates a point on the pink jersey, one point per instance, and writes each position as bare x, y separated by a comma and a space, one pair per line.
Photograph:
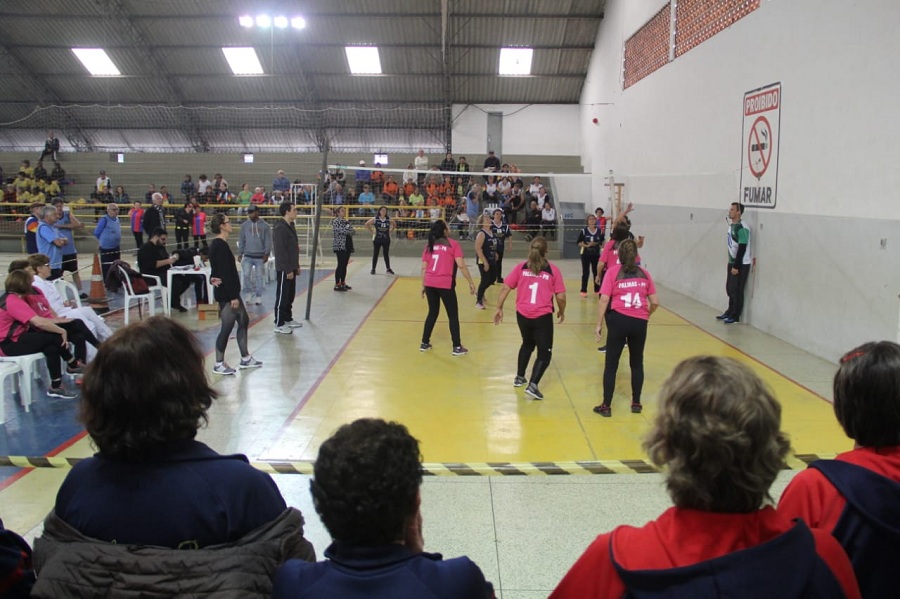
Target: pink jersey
535, 292
440, 264
611, 253
39, 303
628, 296
14, 319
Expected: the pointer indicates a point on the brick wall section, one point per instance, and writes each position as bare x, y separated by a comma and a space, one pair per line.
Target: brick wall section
648, 49
699, 20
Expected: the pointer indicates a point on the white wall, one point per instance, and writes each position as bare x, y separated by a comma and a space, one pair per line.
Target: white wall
528, 129
822, 281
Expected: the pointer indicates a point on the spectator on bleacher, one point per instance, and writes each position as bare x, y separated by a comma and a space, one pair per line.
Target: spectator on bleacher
243, 199
26, 169
40, 173
155, 509
367, 199
717, 436
58, 173
224, 195
334, 195
448, 164
109, 238
203, 186
532, 220
154, 216
40, 266
218, 183
854, 496
409, 175
120, 196
281, 185
184, 219
363, 177
16, 566
420, 163
168, 200
31, 226
102, 188
50, 240
390, 192
53, 189
9, 197
516, 203
148, 197
136, 218
366, 488
462, 181
259, 197
377, 179
23, 332
417, 200
548, 219
188, 189
51, 147
491, 163
541, 197
535, 186
490, 195
433, 177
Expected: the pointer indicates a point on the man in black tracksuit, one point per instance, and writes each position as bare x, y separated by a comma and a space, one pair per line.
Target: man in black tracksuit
287, 267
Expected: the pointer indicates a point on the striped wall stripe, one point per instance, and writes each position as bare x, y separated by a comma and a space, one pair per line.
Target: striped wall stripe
792, 462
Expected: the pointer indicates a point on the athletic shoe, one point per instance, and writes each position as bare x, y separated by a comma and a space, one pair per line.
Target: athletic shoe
224, 369
372, 272
636, 408
425, 347
75, 368
479, 306
584, 294
249, 362
83, 295
533, 391
603, 409
722, 316
520, 380
602, 349
731, 320
258, 300
389, 271
60, 393
284, 330
293, 324
459, 350
338, 288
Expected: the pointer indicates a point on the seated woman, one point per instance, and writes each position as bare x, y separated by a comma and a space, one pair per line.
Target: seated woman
856, 497
155, 509
23, 331
548, 220
717, 432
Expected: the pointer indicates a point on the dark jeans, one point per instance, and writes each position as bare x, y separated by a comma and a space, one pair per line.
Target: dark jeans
285, 290
231, 316
40, 342
340, 272
536, 332
487, 279
378, 244
138, 239
734, 287
182, 238
619, 330
448, 296
589, 269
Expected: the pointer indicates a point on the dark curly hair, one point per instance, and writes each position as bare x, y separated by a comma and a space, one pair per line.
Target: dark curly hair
718, 432
366, 482
147, 387
867, 394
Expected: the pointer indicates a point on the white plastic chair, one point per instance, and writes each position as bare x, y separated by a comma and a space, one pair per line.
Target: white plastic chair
31, 366
68, 291
7, 369
149, 297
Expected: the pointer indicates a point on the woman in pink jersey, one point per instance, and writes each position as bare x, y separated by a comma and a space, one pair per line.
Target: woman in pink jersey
536, 282
629, 293
440, 261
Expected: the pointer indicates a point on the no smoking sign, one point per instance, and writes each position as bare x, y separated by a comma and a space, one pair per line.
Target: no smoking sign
759, 148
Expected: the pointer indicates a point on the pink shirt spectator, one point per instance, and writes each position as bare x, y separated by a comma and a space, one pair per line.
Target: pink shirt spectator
440, 264
611, 253
534, 297
39, 303
628, 296
14, 320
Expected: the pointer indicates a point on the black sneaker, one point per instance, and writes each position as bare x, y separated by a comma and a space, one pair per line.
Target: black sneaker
389, 271
533, 391
372, 272
459, 350
636, 408
520, 380
602, 349
604, 410
425, 347
722, 316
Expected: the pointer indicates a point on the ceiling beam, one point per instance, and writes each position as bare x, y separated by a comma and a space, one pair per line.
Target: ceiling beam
281, 45
310, 17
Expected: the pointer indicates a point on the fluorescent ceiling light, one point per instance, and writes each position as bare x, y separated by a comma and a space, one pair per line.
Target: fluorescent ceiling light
96, 61
246, 21
363, 60
263, 21
281, 21
298, 23
243, 61
515, 61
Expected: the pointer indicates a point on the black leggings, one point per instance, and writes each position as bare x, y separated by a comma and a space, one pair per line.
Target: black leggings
588, 268
435, 296
377, 245
182, 238
536, 332
499, 266
340, 272
619, 330
40, 342
487, 279
231, 316
79, 334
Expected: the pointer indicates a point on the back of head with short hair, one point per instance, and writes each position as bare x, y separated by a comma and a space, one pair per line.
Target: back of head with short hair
867, 394
284, 208
366, 482
718, 432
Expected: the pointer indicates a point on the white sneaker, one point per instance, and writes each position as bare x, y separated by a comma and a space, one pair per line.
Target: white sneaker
258, 300
293, 324
284, 330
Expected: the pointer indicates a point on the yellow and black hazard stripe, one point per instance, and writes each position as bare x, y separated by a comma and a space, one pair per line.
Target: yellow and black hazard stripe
793, 462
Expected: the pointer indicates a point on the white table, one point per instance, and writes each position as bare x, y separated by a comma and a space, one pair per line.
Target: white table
206, 272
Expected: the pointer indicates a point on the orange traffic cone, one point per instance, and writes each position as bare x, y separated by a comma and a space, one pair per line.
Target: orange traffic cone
97, 298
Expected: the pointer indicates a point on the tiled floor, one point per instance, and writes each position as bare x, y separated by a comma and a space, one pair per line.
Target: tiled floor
358, 355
